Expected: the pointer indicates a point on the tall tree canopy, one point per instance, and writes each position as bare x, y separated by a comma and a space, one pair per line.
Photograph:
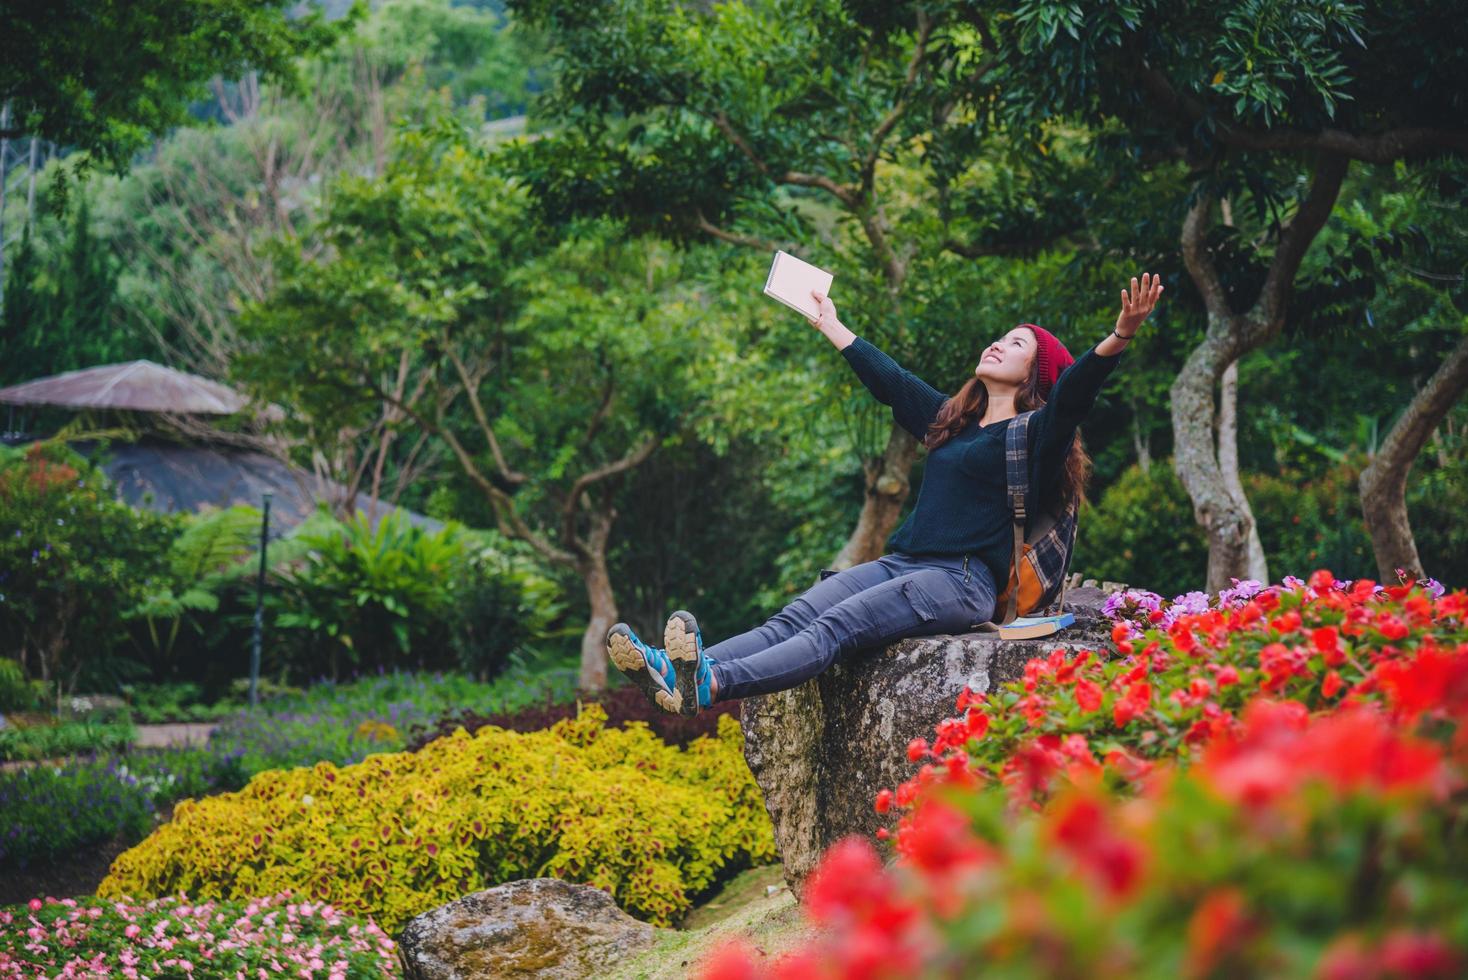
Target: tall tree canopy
109, 76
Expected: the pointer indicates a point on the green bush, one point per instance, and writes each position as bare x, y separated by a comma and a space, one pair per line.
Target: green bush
73, 559
66, 738
17, 693
153, 704
1309, 521
353, 598
1142, 532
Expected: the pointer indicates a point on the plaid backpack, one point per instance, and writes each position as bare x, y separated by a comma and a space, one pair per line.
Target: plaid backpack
1041, 556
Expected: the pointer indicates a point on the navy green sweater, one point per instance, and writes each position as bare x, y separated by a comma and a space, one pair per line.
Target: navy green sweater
961, 507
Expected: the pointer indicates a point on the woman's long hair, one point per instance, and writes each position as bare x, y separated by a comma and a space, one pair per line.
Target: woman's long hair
972, 400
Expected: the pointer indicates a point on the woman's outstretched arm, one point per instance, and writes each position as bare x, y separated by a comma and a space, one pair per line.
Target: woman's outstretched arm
914, 402
1054, 425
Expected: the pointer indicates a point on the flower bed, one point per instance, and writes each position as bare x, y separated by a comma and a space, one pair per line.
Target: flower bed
1273, 787
172, 937
51, 811
401, 833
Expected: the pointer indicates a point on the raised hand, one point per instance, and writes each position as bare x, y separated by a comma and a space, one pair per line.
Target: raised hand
1137, 306
828, 310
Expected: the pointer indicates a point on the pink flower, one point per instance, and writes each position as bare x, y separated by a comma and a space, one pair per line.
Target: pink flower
132, 931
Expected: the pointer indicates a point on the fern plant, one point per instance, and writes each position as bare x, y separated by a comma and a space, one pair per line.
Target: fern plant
214, 548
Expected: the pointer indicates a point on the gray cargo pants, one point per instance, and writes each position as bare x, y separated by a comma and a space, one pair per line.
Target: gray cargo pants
867, 605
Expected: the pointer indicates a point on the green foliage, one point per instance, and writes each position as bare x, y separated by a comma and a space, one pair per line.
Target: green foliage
60, 307
107, 80
209, 552
64, 738
1142, 532
151, 704
74, 560
400, 833
380, 594
16, 692
51, 811
504, 604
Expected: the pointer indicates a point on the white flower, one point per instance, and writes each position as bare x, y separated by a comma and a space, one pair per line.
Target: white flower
308, 799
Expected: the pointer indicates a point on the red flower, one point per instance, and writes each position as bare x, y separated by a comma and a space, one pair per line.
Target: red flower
1220, 925
1286, 623
884, 801
1080, 825
1182, 638
1419, 954
1391, 627
978, 723
916, 749
1136, 701
1332, 685
967, 697
1088, 695
732, 959
1327, 641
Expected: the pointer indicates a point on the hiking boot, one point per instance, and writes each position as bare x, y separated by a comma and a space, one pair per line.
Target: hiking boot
646, 667
684, 643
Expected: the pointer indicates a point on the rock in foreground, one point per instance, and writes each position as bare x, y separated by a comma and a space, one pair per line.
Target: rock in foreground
821, 751
540, 928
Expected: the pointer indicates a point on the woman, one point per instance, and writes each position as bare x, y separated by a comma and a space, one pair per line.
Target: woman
944, 561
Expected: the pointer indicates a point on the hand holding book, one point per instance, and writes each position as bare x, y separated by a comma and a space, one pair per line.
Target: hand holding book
796, 283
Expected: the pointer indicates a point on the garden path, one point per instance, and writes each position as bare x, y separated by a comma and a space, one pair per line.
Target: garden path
174, 733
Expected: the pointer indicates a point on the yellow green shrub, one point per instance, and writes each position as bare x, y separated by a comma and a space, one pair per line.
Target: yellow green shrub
400, 833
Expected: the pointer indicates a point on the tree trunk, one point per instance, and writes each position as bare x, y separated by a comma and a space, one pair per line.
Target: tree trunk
602, 599
887, 487
1230, 336
604, 613
1196, 463
1384, 481
1228, 465
1139, 443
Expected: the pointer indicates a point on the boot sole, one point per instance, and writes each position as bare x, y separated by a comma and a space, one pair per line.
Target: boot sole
680, 639
633, 665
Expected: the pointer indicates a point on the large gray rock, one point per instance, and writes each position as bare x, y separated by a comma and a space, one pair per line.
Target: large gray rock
541, 928
821, 751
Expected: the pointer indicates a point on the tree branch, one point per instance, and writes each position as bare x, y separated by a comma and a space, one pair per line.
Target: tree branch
879, 135
1298, 236
510, 476
1394, 144
844, 194
632, 459
734, 238
1199, 262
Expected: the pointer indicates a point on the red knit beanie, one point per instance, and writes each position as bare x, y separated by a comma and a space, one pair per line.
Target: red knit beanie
1051, 357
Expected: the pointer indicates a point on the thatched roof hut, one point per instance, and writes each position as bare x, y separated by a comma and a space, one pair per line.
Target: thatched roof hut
138, 386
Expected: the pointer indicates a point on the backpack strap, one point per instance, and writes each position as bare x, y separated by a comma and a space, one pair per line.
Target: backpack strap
1017, 476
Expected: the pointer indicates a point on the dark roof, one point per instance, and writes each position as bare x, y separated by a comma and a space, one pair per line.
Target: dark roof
168, 477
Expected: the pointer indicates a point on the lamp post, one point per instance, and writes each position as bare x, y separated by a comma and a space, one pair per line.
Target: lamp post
259, 606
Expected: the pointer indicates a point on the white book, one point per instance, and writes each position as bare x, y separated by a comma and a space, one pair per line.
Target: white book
791, 280
1028, 627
